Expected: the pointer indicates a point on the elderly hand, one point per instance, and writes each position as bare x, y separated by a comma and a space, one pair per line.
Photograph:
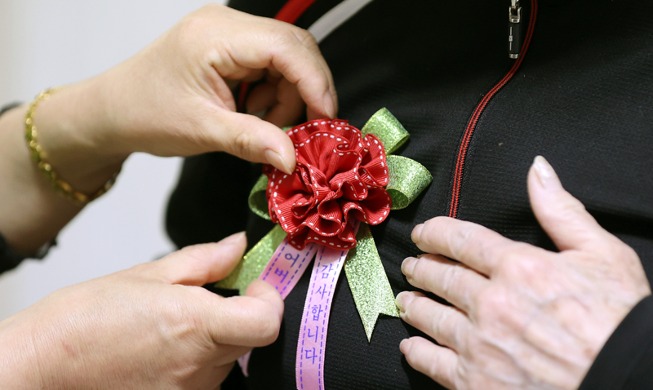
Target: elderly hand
522, 317
151, 326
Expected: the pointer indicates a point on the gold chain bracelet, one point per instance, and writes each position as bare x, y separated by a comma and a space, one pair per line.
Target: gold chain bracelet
39, 157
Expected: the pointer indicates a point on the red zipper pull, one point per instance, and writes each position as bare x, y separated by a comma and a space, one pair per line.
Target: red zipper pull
515, 29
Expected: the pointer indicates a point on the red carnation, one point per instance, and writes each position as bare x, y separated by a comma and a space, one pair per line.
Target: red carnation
339, 181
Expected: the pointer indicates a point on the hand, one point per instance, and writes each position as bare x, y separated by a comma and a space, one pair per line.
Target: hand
151, 326
172, 98
175, 97
522, 317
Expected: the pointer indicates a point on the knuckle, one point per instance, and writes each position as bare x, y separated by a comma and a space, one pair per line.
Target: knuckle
461, 377
305, 38
241, 143
451, 279
195, 261
429, 233
519, 267
290, 35
491, 304
418, 270
432, 223
408, 312
192, 24
514, 261
437, 323
285, 37
416, 312
467, 242
269, 331
624, 252
460, 338
434, 369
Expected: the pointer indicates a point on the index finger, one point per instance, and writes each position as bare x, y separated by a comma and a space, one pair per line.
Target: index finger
474, 245
312, 75
288, 51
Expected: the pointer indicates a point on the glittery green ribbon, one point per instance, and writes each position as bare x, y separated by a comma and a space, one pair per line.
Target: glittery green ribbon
388, 129
408, 178
254, 261
366, 276
257, 201
368, 281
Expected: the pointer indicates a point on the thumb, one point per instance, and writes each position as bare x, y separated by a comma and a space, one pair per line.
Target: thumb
253, 139
562, 216
197, 265
252, 320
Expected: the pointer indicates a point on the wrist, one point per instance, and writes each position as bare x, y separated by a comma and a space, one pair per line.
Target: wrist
72, 133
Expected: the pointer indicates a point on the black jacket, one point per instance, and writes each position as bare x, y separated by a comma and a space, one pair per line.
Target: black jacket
583, 98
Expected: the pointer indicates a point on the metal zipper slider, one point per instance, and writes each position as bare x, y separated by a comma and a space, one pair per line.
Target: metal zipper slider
515, 32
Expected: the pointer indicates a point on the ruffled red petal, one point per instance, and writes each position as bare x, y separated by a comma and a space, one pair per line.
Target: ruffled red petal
339, 181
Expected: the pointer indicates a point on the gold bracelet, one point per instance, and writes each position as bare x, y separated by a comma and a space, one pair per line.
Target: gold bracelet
39, 157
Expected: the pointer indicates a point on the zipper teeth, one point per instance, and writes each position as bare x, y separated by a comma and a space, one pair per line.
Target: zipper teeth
478, 111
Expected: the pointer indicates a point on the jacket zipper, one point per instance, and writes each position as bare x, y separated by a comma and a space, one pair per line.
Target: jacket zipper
514, 29
514, 19
293, 9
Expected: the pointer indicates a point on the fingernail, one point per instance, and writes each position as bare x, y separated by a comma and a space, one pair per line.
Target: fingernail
545, 173
417, 230
403, 346
408, 265
329, 106
233, 239
275, 159
403, 300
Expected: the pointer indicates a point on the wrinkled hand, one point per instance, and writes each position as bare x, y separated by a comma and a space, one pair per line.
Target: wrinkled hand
151, 326
522, 317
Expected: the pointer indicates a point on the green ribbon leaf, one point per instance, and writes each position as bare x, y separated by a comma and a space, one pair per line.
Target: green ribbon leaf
254, 261
368, 281
408, 179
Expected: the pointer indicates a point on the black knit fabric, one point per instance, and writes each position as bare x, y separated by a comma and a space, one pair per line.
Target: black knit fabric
626, 360
8, 259
583, 98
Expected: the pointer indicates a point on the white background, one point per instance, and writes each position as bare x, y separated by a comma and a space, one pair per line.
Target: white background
47, 43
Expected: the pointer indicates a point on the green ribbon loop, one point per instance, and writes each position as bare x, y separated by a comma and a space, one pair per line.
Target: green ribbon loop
408, 179
368, 281
254, 261
258, 203
388, 129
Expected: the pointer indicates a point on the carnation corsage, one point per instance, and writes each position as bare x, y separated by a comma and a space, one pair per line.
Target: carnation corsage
345, 180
